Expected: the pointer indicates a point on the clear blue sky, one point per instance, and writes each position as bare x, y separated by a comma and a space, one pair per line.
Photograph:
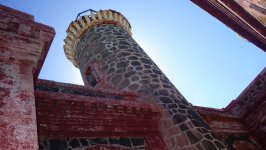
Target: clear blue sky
208, 62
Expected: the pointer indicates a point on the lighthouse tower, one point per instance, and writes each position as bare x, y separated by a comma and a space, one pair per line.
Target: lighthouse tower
101, 46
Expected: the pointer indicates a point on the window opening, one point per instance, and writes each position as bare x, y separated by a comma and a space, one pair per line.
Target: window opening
91, 80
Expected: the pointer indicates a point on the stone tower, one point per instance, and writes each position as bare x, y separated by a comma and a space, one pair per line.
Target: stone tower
101, 46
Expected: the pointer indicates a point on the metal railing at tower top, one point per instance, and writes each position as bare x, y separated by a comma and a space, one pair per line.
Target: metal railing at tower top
88, 10
94, 11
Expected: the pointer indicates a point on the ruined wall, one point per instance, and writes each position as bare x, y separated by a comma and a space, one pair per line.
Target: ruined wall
23, 46
94, 144
106, 115
242, 123
256, 8
236, 14
117, 62
72, 116
251, 97
250, 106
230, 128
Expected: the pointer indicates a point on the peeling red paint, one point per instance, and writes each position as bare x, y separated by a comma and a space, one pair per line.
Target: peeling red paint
2, 75
2, 104
60, 115
20, 53
24, 96
4, 92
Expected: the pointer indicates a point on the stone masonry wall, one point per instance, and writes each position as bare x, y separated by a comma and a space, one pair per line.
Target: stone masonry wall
97, 143
249, 97
67, 110
118, 63
250, 106
230, 128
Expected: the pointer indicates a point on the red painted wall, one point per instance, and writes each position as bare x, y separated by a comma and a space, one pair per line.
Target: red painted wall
23, 45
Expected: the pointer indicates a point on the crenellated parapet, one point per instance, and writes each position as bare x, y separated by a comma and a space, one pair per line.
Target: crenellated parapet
82, 24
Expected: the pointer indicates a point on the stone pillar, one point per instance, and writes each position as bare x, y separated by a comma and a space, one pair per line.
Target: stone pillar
101, 46
24, 44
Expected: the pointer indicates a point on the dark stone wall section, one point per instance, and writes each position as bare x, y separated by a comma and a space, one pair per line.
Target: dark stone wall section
85, 143
77, 91
241, 142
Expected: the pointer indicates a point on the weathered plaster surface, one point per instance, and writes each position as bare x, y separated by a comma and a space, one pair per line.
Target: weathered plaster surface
18, 128
23, 46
